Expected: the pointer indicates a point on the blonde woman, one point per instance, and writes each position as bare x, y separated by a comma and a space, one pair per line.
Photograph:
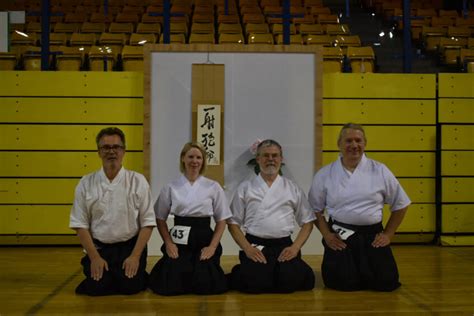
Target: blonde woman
191, 250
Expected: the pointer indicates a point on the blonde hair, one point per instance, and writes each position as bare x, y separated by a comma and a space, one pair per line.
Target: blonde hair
187, 147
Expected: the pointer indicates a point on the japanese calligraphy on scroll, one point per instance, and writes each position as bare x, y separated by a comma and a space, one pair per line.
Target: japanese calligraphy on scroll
208, 106
209, 131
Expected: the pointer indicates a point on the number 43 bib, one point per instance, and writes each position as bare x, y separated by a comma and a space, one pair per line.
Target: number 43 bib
180, 234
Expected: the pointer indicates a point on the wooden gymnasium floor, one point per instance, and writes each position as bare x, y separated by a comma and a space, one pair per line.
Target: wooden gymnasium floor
436, 280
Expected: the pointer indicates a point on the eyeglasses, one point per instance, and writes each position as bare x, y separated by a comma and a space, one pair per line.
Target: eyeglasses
108, 148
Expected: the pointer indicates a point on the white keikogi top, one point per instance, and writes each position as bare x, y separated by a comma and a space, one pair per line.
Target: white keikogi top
203, 198
356, 198
112, 211
270, 212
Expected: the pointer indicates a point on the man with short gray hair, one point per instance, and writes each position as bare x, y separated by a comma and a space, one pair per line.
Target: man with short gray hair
113, 217
266, 209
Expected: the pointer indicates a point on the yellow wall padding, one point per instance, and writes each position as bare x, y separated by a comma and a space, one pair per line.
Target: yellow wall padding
62, 137
420, 190
455, 137
457, 190
456, 110
72, 110
457, 163
399, 117
411, 238
71, 84
370, 85
388, 111
58, 114
35, 219
58, 163
457, 240
402, 164
37, 191
457, 218
419, 218
456, 105
41, 240
456, 85
8, 219
413, 138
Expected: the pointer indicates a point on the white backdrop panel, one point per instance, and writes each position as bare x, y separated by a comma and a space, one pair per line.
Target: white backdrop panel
267, 95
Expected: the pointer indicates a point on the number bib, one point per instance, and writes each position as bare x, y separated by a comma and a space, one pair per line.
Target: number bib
259, 247
343, 232
180, 234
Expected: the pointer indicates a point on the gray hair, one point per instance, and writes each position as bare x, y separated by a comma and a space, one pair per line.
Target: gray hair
269, 143
109, 131
354, 126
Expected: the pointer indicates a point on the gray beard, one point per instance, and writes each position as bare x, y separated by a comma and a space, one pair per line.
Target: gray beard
270, 170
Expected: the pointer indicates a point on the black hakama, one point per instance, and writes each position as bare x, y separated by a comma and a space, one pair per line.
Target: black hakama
187, 273
360, 266
272, 277
114, 281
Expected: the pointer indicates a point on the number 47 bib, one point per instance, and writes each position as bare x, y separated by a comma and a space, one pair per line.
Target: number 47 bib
343, 232
180, 234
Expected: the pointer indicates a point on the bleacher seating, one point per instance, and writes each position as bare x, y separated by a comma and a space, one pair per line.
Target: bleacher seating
177, 38
82, 39
153, 28
337, 29
93, 27
202, 28
229, 28
32, 58
132, 57
196, 38
466, 59
319, 39
440, 34
70, 58
7, 61
142, 39
294, 39
83, 24
102, 58
277, 28
345, 41
362, 59
449, 49
231, 38
306, 29
260, 38
256, 28
333, 59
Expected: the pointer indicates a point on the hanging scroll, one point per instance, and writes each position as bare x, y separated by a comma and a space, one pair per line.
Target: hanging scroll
208, 93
